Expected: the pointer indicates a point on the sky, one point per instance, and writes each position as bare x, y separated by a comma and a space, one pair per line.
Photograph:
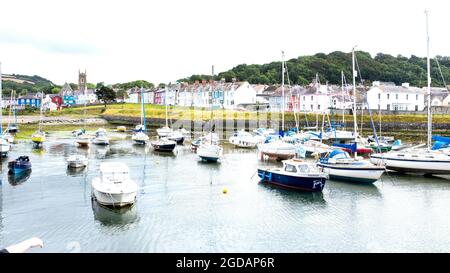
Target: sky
165, 40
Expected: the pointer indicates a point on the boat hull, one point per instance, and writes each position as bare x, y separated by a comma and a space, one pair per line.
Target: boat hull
114, 199
311, 184
358, 175
164, 147
18, 167
412, 165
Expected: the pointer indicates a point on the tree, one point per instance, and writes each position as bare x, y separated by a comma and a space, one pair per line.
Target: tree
23, 92
55, 90
74, 86
162, 85
105, 93
122, 94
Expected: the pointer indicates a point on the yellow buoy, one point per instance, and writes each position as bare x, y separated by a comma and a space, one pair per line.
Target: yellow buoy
225, 191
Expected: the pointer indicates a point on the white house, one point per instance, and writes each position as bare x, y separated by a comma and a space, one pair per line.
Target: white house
134, 95
397, 98
88, 96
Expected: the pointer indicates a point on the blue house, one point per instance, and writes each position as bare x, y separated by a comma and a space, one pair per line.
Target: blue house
69, 100
29, 100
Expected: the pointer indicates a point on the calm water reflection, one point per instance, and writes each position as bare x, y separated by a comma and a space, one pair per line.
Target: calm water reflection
181, 207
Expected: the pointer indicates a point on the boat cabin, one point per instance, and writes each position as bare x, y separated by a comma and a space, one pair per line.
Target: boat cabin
114, 172
299, 167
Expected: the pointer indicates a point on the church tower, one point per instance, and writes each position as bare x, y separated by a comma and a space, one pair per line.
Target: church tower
82, 83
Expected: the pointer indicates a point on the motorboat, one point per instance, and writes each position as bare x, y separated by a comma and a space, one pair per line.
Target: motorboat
340, 166
209, 152
21, 164
38, 137
114, 187
163, 145
77, 161
243, 139
176, 136
295, 174
101, 138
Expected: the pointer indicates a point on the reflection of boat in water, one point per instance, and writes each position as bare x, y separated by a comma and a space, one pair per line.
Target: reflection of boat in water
76, 172
295, 196
114, 216
16, 179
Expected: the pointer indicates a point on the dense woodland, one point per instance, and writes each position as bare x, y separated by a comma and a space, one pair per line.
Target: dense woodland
302, 70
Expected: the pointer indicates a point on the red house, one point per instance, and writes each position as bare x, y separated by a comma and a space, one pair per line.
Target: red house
57, 99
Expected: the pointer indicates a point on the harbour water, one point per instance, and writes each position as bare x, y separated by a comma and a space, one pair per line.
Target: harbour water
181, 206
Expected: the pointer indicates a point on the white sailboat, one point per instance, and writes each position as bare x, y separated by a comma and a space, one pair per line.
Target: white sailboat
423, 161
101, 138
166, 130
279, 149
339, 165
139, 136
4, 144
243, 139
82, 138
208, 150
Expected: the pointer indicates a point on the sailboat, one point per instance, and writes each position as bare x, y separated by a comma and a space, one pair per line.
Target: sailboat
210, 151
339, 165
166, 130
7, 134
38, 137
4, 144
423, 161
277, 148
13, 128
81, 137
163, 144
139, 135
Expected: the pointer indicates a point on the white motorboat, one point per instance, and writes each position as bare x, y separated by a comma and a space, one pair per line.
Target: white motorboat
209, 152
101, 138
339, 165
8, 137
243, 139
114, 187
4, 147
77, 161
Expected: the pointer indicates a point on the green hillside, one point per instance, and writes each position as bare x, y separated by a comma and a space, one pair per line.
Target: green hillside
382, 67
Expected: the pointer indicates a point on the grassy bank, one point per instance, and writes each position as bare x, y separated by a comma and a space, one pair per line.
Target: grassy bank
187, 113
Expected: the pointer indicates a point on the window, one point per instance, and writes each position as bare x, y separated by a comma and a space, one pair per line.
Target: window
312, 98
312, 107
417, 108
304, 98
388, 107
318, 107
334, 102
379, 96
290, 168
387, 96
396, 96
417, 97
406, 96
379, 106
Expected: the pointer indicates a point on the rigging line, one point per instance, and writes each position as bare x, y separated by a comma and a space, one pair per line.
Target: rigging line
442, 75
368, 107
290, 91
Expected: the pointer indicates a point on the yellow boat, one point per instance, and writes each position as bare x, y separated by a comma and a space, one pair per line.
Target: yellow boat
121, 128
38, 137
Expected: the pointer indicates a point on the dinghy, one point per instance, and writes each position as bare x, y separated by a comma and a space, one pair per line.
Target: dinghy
77, 161
19, 165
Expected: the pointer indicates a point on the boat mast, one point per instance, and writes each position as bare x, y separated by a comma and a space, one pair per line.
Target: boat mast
282, 91
165, 100
430, 118
210, 87
354, 96
40, 112
343, 98
1, 109
317, 97
142, 108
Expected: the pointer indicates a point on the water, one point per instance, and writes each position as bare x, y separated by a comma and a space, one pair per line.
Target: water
181, 208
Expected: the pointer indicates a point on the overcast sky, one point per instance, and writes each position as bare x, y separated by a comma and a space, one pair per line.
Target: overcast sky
162, 41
